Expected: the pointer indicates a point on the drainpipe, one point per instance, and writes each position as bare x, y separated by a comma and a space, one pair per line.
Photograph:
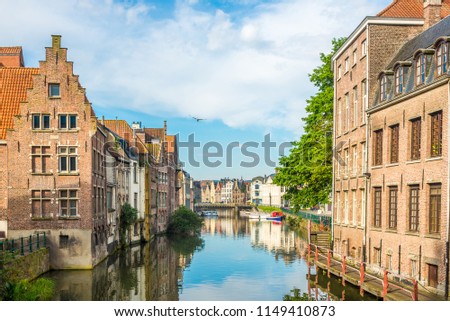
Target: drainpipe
447, 269
333, 159
366, 160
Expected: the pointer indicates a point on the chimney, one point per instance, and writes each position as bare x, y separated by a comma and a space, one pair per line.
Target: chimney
56, 42
431, 12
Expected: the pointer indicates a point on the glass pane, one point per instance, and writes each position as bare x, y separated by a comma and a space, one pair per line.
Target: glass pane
73, 193
63, 193
73, 121
72, 150
63, 150
36, 121
73, 205
73, 211
62, 121
46, 121
63, 163
54, 90
73, 163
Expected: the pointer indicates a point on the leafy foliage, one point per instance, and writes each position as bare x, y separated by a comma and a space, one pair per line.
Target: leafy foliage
128, 216
307, 171
40, 290
185, 222
296, 295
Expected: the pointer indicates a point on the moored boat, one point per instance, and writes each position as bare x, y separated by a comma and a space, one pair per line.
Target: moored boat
209, 213
276, 216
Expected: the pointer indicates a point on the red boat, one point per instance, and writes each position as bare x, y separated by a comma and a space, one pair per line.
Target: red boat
276, 216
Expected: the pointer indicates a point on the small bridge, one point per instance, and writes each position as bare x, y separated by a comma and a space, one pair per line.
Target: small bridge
201, 206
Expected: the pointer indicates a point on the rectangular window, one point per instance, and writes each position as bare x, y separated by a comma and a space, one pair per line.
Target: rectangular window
395, 130
40, 121
399, 80
338, 207
442, 59
378, 148
338, 164
436, 134
354, 207
377, 207
363, 101
135, 173
40, 203
68, 202
413, 267
377, 255
414, 208
135, 200
40, 158
435, 208
420, 69
63, 241
339, 72
53, 90
355, 106
109, 198
347, 112
339, 124
363, 158
363, 207
363, 48
355, 160
67, 121
67, 159
346, 64
415, 138
383, 88
347, 163
393, 198
355, 56
346, 207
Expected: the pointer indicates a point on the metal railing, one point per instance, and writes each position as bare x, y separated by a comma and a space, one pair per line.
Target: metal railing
364, 277
24, 245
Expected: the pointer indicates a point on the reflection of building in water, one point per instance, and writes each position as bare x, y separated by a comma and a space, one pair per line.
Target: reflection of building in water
229, 224
278, 239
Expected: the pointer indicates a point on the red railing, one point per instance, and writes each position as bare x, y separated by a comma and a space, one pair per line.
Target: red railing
385, 283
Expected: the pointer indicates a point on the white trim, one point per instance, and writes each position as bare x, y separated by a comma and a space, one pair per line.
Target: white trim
3, 142
375, 21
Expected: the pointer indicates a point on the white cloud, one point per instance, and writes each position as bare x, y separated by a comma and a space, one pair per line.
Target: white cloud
210, 64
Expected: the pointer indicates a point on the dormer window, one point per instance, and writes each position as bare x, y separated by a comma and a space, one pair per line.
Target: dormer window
399, 80
383, 87
442, 58
420, 69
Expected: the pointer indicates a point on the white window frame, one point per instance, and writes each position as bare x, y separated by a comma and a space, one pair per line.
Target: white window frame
68, 153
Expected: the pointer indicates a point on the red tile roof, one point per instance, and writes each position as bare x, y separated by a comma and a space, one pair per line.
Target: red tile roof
14, 83
120, 127
410, 9
10, 50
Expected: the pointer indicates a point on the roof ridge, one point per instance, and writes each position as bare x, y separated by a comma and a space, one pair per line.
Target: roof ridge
387, 8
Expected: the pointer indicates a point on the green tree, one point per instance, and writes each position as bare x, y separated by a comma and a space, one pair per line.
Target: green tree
128, 216
185, 222
307, 171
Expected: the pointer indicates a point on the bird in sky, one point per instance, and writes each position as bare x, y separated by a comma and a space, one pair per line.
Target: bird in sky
197, 119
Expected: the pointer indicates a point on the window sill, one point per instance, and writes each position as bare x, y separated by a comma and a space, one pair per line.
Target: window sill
433, 159
416, 161
62, 130
377, 167
390, 230
363, 57
54, 97
41, 174
69, 218
69, 174
354, 176
376, 229
392, 165
412, 233
41, 130
433, 236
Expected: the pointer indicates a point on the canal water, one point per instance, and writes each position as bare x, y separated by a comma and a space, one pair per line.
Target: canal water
235, 258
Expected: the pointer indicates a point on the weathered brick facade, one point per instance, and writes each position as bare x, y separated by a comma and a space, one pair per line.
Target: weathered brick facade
401, 181
54, 185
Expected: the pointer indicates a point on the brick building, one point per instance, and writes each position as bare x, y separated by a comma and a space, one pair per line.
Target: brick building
52, 155
390, 166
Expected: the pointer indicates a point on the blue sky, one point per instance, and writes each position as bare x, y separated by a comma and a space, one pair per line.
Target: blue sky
242, 65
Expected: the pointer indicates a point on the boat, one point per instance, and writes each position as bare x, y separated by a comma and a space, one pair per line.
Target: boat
276, 216
209, 213
258, 215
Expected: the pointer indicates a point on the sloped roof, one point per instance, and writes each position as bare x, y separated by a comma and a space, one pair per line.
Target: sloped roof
10, 50
14, 83
155, 132
422, 41
120, 127
410, 9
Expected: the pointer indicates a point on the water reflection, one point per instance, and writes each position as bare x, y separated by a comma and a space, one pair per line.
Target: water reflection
235, 259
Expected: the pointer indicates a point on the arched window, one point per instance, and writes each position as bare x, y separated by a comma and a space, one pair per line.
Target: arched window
399, 80
383, 87
420, 69
442, 58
